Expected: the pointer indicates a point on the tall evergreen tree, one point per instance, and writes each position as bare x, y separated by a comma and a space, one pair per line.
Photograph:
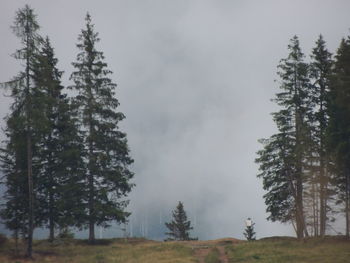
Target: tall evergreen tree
24, 95
179, 227
283, 159
60, 146
339, 125
107, 154
320, 71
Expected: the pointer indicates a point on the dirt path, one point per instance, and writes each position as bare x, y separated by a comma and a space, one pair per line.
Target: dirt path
223, 257
203, 248
201, 253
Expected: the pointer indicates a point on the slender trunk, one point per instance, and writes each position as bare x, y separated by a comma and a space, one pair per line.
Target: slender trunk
91, 209
16, 241
91, 174
300, 220
294, 227
347, 205
30, 193
299, 210
51, 194
51, 218
323, 162
29, 154
314, 210
317, 212
17, 223
323, 208
91, 190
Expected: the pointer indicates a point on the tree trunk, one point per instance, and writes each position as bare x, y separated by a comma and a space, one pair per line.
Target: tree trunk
30, 195
29, 155
347, 205
91, 210
323, 202
91, 185
91, 163
16, 242
300, 220
314, 210
51, 219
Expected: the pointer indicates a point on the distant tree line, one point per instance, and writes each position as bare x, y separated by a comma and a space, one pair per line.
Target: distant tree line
65, 162
305, 166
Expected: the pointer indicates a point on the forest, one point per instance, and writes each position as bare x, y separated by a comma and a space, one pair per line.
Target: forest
65, 161
66, 164
305, 165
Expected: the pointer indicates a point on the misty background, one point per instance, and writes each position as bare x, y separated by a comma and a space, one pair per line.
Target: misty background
195, 79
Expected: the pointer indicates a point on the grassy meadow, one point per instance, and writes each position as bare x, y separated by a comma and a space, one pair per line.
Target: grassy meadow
271, 250
76, 251
288, 250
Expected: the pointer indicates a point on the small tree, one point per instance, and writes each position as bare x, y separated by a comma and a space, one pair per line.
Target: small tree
179, 227
249, 231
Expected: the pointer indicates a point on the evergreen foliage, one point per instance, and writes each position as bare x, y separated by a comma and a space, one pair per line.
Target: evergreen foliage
249, 233
23, 131
66, 163
319, 188
282, 161
179, 227
106, 151
339, 126
60, 147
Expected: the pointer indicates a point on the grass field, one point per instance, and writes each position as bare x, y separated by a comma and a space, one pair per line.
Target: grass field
272, 250
287, 250
115, 251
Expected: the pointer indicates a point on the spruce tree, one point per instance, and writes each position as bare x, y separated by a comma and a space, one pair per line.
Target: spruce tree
25, 95
179, 227
249, 232
106, 149
60, 147
320, 72
339, 126
282, 161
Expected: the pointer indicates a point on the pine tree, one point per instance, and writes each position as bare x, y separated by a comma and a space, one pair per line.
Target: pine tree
107, 154
339, 125
249, 232
179, 227
60, 146
320, 71
283, 159
24, 95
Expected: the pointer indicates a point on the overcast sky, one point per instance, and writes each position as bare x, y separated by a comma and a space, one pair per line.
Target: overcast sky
195, 79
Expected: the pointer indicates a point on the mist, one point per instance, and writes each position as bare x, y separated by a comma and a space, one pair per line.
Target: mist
195, 79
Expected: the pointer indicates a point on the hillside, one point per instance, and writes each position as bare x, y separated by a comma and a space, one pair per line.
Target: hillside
227, 250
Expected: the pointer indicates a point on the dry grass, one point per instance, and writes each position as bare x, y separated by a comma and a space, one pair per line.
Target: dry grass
116, 251
213, 256
280, 250
273, 250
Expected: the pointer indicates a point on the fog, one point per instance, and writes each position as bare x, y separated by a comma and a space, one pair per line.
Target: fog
195, 79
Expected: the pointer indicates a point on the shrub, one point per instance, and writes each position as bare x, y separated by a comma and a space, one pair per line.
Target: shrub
66, 234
